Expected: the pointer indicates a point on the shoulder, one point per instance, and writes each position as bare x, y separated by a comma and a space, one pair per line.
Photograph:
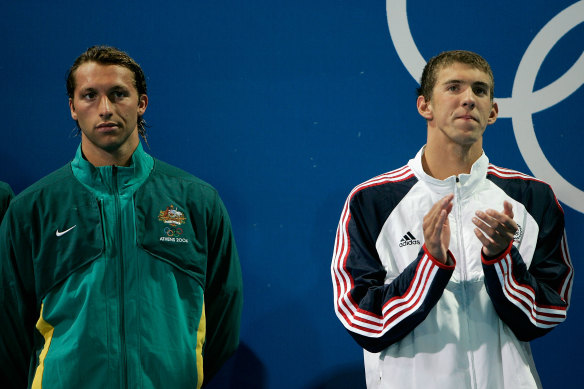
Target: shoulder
514, 179
521, 186
51, 195
5, 190
375, 199
167, 177
172, 172
58, 181
396, 181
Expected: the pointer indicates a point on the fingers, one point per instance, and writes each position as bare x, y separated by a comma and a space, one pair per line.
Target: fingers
498, 221
438, 214
439, 225
495, 229
484, 240
437, 228
508, 209
445, 203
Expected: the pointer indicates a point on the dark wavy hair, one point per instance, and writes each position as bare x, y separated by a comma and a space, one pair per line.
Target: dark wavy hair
430, 73
107, 55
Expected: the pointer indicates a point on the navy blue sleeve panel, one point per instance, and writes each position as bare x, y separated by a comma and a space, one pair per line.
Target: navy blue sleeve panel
17, 299
378, 314
532, 301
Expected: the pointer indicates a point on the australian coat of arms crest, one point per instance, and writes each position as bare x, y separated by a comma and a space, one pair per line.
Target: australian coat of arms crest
172, 216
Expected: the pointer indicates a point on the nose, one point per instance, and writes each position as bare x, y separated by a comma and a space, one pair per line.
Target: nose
468, 99
104, 107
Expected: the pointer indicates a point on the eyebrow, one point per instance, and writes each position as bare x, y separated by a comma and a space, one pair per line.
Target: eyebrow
475, 83
113, 88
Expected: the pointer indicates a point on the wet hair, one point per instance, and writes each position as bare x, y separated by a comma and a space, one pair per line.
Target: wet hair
107, 55
430, 73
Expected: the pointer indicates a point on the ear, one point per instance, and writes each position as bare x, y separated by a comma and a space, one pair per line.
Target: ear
72, 108
494, 113
424, 108
142, 104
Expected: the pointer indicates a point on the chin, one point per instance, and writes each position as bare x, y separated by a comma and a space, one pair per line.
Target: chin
109, 145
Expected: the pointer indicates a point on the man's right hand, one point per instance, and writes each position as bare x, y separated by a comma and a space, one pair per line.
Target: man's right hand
437, 228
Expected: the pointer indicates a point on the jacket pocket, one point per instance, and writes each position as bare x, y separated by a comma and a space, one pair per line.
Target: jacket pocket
70, 238
168, 234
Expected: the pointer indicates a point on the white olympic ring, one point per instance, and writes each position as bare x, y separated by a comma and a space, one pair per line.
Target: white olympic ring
524, 101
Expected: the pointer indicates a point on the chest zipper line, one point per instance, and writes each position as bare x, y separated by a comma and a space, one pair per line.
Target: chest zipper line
464, 275
124, 369
105, 250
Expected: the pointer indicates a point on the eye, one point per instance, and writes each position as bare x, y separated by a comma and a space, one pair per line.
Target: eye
88, 95
453, 88
118, 95
480, 91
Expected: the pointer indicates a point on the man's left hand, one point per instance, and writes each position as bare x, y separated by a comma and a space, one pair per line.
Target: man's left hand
495, 229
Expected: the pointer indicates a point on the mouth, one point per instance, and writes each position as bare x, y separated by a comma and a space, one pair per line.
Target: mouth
467, 117
107, 126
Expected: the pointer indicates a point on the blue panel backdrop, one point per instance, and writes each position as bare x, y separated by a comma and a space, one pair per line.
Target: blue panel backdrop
284, 106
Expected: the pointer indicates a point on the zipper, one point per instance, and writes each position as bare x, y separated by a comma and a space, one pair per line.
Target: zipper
119, 244
463, 274
463, 269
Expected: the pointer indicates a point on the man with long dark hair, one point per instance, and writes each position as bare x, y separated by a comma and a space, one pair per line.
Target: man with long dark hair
117, 270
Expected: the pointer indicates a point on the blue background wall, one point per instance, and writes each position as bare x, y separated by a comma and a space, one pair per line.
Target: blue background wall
284, 106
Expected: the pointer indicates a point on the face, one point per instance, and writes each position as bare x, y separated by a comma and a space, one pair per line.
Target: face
460, 107
106, 106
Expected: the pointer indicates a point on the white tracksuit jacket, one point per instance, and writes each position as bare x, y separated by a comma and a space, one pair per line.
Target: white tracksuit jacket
426, 325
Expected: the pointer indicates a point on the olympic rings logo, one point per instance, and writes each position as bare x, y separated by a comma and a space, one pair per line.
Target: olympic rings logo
173, 231
524, 101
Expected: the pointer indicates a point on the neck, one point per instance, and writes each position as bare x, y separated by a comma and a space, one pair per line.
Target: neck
450, 160
121, 156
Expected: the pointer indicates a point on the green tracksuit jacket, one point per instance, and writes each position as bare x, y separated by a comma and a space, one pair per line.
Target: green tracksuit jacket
117, 277
6, 194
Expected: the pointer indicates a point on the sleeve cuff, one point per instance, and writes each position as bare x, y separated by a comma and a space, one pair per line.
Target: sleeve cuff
450, 262
494, 259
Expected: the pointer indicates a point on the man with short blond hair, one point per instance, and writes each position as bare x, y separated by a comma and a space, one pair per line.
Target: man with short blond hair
444, 269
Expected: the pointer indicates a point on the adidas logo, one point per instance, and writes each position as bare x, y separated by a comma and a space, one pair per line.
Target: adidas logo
408, 240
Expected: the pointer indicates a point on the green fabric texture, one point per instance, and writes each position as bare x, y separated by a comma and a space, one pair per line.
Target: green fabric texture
6, 194
140, 249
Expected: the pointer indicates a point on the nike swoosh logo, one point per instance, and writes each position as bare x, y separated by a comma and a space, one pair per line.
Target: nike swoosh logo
59, 233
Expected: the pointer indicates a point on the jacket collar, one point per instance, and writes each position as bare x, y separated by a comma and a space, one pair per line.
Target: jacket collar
104, 180
468, 182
